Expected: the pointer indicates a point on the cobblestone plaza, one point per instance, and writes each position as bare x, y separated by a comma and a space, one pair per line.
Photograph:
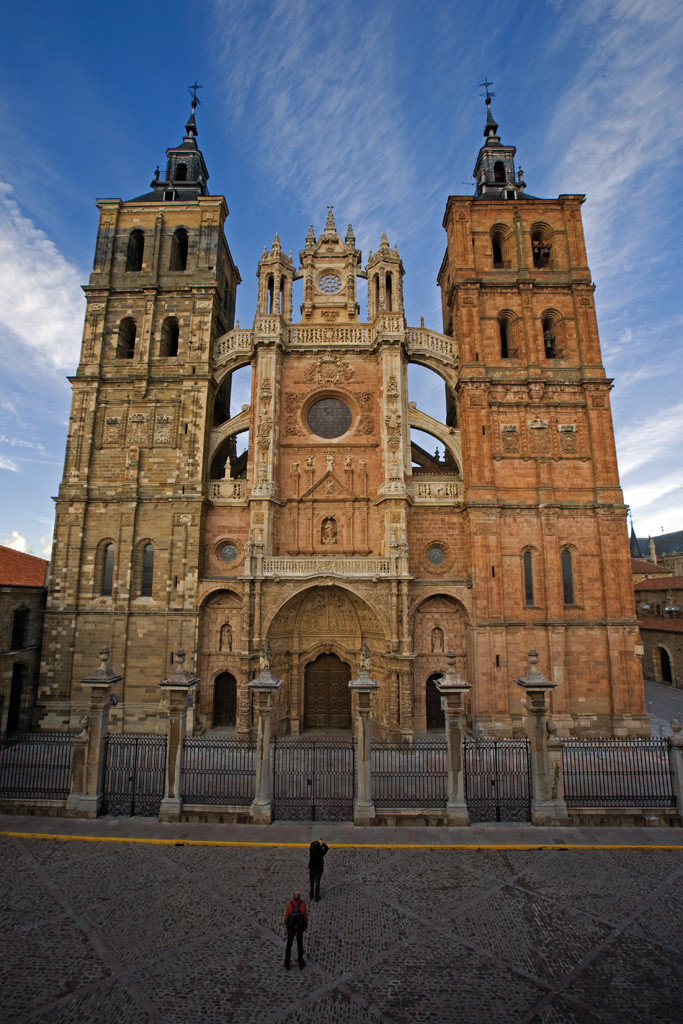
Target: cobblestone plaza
139, 931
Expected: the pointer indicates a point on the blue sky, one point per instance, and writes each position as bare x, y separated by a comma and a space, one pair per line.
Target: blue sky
372, 108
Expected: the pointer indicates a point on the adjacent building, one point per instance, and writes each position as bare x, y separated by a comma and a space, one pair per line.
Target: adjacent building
23, 592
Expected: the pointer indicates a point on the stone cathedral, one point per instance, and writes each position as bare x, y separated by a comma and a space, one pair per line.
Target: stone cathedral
331, 528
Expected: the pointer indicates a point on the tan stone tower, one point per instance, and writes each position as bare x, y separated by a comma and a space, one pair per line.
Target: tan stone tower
333, 529
130, 512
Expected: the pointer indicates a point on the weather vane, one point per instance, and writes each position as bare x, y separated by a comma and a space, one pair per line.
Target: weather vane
485, 85
193, 90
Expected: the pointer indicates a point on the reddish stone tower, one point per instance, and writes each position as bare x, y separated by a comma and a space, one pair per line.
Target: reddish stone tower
544, 512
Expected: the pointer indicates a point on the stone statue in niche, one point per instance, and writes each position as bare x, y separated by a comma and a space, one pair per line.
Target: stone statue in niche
437, 639
226, 637
328, 532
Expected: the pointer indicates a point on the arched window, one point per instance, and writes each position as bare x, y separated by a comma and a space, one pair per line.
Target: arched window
549, 337
19, 628
376, 290
169, 337
181, 172
499, 171
528, 580
107, 570
125, 348
271, 290
497, 252
389, 293
567, 576
147, 571
504, 349
541, 245
179, 249
136, 248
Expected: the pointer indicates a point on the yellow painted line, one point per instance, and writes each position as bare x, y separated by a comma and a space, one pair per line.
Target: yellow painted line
346, 846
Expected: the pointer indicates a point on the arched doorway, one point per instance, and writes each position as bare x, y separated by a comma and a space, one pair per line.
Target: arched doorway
327, 698
224, 701
435, 715
665, 662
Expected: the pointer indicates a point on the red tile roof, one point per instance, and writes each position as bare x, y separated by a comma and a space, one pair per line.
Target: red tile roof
642, 565
20, 570
660, 624
664, 583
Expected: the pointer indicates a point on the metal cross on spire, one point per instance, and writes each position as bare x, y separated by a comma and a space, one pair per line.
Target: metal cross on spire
193, 90
485, 85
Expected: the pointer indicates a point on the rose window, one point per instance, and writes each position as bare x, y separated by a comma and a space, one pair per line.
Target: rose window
330, 284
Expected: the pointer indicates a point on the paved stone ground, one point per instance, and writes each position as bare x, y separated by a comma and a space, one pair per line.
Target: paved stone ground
133, 932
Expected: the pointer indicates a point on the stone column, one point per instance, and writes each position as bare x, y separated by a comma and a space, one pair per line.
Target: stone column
264, 688
364, 686
452, 689
87, 788
177, 690
546, 809
676, 765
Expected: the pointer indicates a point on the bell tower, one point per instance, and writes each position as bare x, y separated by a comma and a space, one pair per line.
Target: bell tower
545, 515
130, 510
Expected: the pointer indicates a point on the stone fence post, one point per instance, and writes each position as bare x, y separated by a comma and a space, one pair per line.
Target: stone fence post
86, 798
264, 688
177, 690
547, 806
452, 689
676, 765
364, 686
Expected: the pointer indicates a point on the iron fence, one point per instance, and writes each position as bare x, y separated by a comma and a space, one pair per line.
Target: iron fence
36, 765
617, 773
313, 779
497, 780
134, 774
218, 771
409, 774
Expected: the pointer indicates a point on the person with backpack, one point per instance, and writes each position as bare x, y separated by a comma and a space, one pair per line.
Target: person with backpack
317, 852
296, 923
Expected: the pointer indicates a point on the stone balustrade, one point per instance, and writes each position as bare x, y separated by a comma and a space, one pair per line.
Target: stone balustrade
437, 491
228, 490
234, 341
332, 334
346, 567
422, 338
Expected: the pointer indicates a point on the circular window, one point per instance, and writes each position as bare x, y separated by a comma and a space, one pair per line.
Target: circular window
436, 555
228, 552
330, 417
330, 284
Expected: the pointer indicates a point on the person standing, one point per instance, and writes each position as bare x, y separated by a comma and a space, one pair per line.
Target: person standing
316, 866
296, 923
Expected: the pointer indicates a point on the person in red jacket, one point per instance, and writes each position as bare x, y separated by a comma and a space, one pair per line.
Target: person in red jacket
296, 923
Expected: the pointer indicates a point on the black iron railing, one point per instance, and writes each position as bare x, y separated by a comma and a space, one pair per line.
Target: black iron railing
409, 774
134, 776
218, 771
497, 780
313, 780
36, 765
617, 773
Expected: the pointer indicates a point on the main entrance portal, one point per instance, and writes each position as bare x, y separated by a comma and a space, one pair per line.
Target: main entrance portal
327, 698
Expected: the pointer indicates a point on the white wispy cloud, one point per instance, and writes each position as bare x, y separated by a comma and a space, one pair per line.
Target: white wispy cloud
41, 302
17, 542
10, 464
329, 121
641, 443
618, 131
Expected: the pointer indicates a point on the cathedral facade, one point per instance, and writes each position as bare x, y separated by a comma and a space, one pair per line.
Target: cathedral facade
332, 526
